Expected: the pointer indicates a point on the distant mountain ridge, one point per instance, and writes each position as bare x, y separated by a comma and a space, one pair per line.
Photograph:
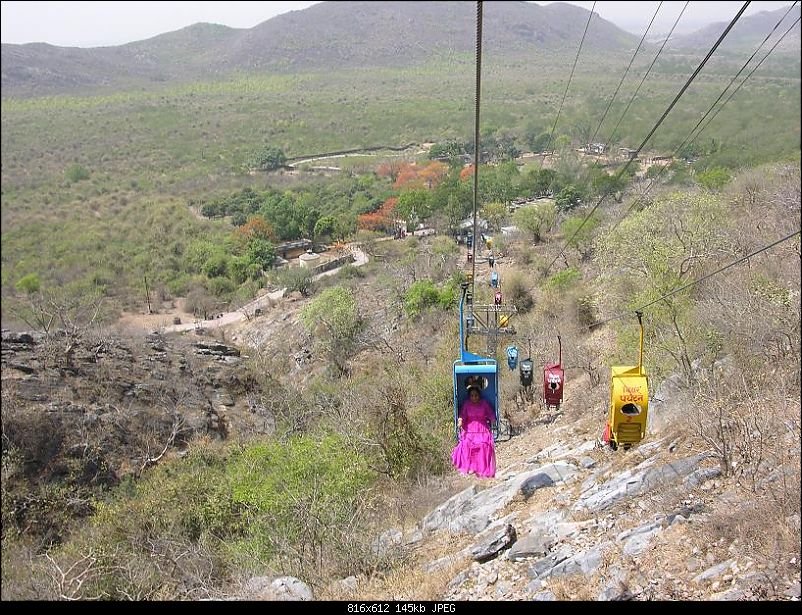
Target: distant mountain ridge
748, 32
325, 36
343, 35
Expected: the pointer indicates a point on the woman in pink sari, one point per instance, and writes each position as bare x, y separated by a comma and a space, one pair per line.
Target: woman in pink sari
475, 453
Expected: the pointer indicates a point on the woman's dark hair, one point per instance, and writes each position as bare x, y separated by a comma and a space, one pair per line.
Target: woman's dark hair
473, 387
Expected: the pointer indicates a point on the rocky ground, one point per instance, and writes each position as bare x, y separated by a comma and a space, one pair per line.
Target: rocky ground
118, 401
567, 518
564, 519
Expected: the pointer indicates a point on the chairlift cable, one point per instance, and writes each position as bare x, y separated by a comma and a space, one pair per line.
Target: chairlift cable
694, 282
688, 139
648, 71
621, 82
570, 77
735, 91
476, 146
654, 129
626, 72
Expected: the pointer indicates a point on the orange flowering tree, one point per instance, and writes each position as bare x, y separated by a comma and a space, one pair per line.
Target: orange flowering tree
414, 176
255, 228
380, 220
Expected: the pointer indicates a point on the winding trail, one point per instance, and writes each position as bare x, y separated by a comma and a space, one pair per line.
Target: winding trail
249, 309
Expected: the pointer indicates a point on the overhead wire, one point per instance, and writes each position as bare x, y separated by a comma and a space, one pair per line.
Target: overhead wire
570, 77
646, 74
655, 127
688, 139
626, 72
694, 282
735, 91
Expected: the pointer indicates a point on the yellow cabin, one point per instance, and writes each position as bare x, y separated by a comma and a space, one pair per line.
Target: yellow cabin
629, 402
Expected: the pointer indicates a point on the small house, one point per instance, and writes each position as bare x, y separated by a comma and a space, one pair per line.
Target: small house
293, 249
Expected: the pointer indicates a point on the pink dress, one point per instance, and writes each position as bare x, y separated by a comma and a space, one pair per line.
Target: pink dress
476, 450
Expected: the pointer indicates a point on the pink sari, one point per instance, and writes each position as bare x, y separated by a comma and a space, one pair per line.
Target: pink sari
476, 451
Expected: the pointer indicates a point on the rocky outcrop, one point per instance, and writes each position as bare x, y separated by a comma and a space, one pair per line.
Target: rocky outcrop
275, 588
596, 528
117, 399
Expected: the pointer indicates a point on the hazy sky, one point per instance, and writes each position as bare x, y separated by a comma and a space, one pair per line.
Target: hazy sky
95, 23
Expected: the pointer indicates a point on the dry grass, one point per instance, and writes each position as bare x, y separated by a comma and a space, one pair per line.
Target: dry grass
408, 580
403, 505
574, 587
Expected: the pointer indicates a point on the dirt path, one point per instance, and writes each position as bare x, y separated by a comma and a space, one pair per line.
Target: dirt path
249, 309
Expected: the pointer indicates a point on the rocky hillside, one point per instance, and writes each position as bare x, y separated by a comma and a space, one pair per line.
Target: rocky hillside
144, 465
91, 410
569, 519
566, 518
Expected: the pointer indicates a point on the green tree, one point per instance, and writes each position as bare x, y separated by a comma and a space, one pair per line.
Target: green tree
345, 226
655, 251
261, 252
268, 159
325, 226
217, 265
604, 184
239, 269
413, 206
713, 179
579, 235
197, 253
655, 171
454, 212
506, 149
333, 319
536, 219
29, 284
450, 150
421, 295
536, 182
296, 278
568, 198
537, 139
494, 213
498, 183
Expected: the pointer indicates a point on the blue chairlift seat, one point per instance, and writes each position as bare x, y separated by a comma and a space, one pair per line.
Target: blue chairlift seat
466, 374
512, 357
470, 368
